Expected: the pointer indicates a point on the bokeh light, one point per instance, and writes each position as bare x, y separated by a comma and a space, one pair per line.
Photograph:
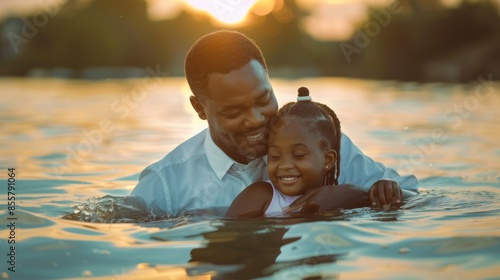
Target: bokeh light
224, 11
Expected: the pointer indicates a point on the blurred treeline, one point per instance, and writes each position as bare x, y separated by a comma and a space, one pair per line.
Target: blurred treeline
424, 41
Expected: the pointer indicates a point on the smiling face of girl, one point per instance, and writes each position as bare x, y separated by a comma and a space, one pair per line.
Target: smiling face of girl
298, 158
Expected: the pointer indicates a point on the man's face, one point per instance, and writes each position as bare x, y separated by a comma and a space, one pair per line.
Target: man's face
238, 107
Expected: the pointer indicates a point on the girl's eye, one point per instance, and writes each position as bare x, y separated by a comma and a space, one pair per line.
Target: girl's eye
274, 157
299, 155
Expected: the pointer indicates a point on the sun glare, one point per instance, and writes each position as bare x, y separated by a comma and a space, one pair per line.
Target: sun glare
229, 12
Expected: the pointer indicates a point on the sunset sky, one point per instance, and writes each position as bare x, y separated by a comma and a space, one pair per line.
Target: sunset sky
329, 19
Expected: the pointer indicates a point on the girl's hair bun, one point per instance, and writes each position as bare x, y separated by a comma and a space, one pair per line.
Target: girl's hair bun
303, 94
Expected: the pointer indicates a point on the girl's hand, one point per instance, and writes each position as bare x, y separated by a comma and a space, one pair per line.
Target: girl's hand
386, 191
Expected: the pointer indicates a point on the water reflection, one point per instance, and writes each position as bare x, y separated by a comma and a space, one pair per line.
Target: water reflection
249, 252
236, 249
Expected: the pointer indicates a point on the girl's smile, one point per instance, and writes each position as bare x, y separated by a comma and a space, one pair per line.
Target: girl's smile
296, 159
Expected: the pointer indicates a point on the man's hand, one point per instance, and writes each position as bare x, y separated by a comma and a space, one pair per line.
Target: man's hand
328, 198
386, 192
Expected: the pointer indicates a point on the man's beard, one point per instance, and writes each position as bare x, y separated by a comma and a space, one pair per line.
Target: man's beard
253, 151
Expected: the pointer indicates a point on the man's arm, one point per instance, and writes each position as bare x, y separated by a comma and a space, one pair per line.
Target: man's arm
358, 169
150, 189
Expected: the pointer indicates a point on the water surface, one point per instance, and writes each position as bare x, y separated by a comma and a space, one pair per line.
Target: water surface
78, 147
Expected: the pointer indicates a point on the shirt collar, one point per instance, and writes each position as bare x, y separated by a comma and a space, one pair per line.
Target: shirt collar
220, 162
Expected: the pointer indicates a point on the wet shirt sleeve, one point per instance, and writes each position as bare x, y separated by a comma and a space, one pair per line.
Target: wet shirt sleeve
358, 169
150, 189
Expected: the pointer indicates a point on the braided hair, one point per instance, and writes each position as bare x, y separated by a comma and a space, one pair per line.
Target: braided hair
323, 121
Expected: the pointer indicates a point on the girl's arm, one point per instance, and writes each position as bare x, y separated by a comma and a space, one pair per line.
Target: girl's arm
328, 198
252, 202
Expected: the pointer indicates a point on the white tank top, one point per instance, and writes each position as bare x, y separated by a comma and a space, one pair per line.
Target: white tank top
278, 202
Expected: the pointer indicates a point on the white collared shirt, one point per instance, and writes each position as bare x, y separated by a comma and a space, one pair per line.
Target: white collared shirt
197, 174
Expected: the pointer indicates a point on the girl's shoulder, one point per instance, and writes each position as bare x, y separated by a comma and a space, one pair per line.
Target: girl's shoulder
260, 188
252, 201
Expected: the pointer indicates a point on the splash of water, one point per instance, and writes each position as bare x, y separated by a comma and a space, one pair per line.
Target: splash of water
112, 209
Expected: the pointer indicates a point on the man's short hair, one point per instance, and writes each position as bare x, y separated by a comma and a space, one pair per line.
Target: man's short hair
218, 52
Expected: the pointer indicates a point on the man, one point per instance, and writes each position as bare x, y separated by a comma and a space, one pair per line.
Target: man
228, 76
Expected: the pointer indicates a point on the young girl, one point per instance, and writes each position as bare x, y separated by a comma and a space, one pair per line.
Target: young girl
303, 153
